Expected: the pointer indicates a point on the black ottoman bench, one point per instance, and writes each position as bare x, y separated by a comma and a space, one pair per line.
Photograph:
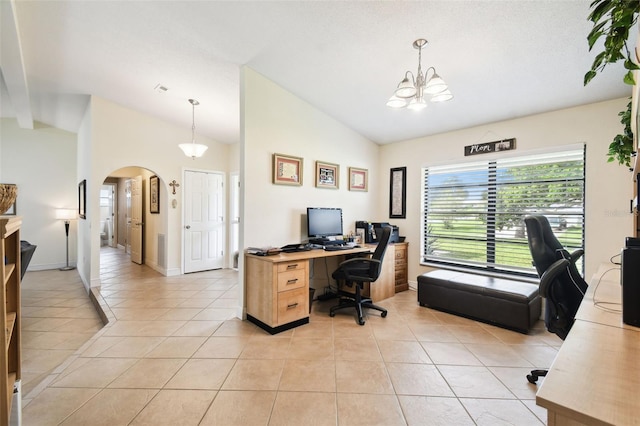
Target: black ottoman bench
511, 304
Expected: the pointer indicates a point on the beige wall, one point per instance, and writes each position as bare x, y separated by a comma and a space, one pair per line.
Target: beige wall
42, 162
275, 121
608, 190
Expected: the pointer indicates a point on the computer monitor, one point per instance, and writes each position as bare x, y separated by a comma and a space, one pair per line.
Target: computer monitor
323, 222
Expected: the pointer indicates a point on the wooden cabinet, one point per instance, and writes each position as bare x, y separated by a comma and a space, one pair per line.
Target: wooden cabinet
277, 292
400, 267
10, 314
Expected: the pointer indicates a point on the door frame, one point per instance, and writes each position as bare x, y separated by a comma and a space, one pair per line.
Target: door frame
183, 212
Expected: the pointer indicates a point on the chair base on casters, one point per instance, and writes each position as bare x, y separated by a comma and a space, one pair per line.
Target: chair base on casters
533, 377
358, 302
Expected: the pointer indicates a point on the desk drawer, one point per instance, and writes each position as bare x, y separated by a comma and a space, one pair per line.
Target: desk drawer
292, 305
401, 253
291, 280
291, 266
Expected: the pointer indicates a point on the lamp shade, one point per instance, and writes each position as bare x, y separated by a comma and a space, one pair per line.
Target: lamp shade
193, 150
66, 214
396, 102
442, 96
435, 85
405, 89
417, 104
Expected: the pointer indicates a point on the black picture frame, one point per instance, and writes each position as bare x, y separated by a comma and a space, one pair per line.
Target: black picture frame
82, 199
398, 193
154, 194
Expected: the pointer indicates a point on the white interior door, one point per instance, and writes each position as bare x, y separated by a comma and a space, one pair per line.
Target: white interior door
136, 220
204, 232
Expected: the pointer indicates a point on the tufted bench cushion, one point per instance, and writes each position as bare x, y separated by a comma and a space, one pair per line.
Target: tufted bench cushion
508, 303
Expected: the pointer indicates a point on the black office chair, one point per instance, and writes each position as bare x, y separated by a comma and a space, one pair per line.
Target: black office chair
560, 282
356, 272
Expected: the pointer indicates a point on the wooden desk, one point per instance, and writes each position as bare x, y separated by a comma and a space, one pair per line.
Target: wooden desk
277, 287
595, 377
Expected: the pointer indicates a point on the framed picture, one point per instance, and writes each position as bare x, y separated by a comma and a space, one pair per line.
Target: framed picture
358, 179
287, 170
327, 175
398, 193
154, 194
82, 199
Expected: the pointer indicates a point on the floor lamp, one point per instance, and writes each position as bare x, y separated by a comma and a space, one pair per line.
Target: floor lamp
67, 215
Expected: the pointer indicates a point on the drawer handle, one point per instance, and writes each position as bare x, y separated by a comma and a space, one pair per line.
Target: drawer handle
293, 305
293, 281
294, 266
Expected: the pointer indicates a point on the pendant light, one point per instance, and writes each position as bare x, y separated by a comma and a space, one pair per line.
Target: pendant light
412, 91
193, 149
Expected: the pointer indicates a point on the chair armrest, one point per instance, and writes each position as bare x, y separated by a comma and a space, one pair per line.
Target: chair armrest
576, 255
551, 274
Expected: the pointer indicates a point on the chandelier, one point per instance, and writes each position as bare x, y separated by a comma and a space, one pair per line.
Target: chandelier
193, 149
412, 93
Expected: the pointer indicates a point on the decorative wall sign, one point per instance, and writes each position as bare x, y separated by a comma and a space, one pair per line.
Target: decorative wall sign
287, 170
398, 193
358, 179
154, 194
82, 199
485, 148
327, 175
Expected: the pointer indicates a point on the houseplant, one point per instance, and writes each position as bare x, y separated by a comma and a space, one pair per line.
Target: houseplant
613, 19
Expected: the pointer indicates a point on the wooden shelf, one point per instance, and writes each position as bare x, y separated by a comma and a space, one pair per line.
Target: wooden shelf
8, 270
10, 355
11, 321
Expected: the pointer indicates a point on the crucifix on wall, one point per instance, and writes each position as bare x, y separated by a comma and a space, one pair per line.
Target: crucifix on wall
174, 185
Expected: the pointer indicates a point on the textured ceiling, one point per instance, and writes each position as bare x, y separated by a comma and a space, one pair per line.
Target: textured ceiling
501, 59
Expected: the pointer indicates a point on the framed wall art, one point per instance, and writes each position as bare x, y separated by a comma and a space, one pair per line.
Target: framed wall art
398, 193
358, 179
327, 175
82, 199
154, 194
287, 170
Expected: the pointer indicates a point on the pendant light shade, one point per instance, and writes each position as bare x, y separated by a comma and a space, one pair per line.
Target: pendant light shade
193, 149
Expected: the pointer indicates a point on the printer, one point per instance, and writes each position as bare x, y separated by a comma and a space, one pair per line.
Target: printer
395, 232
371, 230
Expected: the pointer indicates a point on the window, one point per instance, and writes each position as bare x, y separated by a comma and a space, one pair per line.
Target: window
473, 213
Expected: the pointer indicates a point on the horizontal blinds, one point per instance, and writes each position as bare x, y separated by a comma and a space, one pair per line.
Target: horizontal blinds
473, 213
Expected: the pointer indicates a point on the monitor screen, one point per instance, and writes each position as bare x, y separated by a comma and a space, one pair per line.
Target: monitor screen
324, 221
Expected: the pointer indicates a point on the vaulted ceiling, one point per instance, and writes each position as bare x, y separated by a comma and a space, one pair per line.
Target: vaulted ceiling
501, 59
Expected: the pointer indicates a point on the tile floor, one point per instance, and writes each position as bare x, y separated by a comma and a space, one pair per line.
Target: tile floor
173, 354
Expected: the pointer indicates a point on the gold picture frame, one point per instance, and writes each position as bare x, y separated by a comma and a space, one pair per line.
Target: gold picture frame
287, 170
358, 179
327, 175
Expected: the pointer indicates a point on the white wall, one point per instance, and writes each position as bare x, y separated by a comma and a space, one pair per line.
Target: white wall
42, 163
120, 137
609, 186
275, 121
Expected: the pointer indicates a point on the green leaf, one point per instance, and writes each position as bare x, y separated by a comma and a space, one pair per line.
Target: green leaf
630, 65
628, 78
589, 76
599, 10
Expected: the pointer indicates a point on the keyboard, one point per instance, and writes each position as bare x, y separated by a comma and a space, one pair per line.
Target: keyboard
337, 248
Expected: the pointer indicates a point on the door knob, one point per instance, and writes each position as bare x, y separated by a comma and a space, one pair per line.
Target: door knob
188, 227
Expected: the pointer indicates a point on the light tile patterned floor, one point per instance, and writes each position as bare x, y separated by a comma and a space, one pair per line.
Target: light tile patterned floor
174, 355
